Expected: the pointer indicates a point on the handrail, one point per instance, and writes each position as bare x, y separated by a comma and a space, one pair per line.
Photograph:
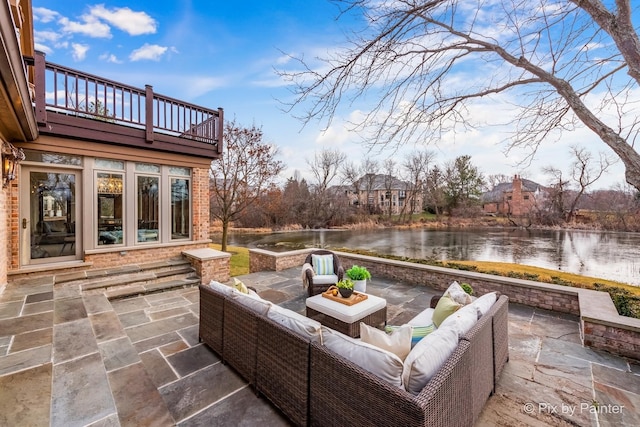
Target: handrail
81, 94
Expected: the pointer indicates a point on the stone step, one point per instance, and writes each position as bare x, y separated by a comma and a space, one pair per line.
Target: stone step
132, 280
137, 289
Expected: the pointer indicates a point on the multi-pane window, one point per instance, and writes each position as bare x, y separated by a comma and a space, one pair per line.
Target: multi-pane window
110, 189
148, 208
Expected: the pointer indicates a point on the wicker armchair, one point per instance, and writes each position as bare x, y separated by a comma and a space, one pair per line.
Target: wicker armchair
320, 283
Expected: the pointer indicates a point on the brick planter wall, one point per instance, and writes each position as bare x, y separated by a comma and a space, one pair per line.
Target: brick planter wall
603, 328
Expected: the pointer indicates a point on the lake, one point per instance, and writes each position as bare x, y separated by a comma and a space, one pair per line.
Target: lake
614, 256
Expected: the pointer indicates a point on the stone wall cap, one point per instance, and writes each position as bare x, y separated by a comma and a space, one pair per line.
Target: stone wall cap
205, 254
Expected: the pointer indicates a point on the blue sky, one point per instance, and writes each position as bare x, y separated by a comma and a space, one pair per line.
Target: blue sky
223, 54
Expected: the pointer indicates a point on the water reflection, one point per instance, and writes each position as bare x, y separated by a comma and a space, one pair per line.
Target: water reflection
608, 255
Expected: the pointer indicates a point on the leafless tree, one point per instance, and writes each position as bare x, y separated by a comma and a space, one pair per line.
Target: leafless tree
325, 166
585, 171
416, 169
247, 167
389, 167
562, 64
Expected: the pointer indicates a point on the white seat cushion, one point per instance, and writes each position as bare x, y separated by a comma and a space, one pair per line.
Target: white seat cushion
423, 318
343, 312
325, 279
378, 361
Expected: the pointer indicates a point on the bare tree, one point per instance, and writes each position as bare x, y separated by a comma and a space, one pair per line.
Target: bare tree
323, 206
389, 166
585, 171
562, 64
416, 167
247, 167
325, 166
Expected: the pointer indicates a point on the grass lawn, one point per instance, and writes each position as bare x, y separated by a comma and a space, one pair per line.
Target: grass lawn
239, 259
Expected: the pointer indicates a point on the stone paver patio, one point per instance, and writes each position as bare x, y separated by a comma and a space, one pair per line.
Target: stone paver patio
73, 359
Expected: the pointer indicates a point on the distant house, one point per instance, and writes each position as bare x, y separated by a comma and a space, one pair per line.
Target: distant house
515, 198
382, 193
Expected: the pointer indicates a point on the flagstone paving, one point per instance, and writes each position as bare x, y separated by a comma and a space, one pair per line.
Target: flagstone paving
69, 358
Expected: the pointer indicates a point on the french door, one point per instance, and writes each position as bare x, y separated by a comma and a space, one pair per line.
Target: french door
49, 215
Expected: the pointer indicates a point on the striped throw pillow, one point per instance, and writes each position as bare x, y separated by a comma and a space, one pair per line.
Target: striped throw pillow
417, 332
322, 264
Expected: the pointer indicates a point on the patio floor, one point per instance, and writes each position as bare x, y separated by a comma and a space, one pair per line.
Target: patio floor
72, 359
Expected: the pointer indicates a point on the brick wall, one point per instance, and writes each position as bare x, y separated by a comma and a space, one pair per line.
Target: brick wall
602, 327
200, 202
138, 255
4, 236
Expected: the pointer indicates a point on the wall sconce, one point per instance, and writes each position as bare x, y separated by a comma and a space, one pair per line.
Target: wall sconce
11, 156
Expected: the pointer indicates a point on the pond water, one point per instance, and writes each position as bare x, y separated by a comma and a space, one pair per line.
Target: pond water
614, 256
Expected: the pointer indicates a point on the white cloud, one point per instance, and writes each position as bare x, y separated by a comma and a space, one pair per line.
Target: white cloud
79, 51
49, 36
42, 48
110, 57
133, 23
151, 52
42, 14
90, 26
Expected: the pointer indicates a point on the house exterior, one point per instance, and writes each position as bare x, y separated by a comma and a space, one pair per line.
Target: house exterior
384, 194
96, 173
515, 198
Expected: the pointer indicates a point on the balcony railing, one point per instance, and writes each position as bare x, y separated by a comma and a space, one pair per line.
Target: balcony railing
62, 91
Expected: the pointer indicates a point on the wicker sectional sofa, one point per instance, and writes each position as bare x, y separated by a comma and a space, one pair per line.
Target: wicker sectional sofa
313, 385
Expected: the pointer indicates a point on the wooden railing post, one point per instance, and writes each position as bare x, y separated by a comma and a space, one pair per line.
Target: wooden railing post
149, 112
40, 89
220, 129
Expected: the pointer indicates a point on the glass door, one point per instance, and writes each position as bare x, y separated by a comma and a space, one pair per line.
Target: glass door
49, 218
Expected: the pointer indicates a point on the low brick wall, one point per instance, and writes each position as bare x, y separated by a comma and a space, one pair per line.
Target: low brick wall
603, 328
210, 264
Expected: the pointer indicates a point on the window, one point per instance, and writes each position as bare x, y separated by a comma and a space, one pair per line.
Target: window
140, 203
526, 197
109, 189
180, 208
147, 208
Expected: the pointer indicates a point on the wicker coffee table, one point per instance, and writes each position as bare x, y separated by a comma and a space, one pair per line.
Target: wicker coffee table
346, 318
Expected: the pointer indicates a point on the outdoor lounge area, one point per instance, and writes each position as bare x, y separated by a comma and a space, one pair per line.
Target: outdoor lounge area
144, 365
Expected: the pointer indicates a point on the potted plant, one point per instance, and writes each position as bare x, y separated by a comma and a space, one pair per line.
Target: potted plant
345, 287
467, 288
359, 275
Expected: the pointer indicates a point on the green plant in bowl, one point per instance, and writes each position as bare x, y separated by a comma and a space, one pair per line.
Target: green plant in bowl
345, 284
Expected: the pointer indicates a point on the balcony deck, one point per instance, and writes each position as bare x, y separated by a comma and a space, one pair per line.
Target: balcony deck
77, 105
80, 360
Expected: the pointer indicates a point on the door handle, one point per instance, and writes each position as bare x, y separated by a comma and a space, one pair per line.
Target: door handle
24, 223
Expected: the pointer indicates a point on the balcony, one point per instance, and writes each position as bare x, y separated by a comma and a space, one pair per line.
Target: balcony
73, 104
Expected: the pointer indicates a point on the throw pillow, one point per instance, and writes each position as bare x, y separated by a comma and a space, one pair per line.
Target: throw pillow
298, 323
417, 332
322, 264
397, 341
484, 303
458, 294
221, 287
446, 306
426, 359
240, 286
462, 320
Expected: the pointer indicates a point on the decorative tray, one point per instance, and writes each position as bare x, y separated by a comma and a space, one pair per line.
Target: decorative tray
355, 297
